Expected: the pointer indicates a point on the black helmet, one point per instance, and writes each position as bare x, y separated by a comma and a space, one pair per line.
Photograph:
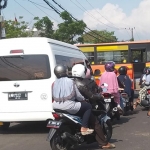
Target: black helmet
122, 70
145, 70
61, 71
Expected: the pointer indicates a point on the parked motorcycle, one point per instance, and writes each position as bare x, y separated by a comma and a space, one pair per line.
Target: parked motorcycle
65, 130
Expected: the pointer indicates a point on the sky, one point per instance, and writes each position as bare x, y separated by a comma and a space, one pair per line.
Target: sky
119, 16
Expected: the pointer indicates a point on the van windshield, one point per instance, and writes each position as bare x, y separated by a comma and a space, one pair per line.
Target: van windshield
24, 67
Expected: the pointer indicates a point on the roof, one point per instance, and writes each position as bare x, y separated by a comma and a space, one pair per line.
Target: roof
36, 40
114, 43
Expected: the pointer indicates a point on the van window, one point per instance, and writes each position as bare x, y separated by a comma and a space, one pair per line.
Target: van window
24, 67
68, 61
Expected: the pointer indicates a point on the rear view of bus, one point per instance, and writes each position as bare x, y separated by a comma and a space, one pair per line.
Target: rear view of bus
25, 80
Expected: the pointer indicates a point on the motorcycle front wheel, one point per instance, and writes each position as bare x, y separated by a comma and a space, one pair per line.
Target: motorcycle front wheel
57, 142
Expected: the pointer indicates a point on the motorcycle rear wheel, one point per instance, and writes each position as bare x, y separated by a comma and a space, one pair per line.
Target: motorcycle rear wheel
57, 143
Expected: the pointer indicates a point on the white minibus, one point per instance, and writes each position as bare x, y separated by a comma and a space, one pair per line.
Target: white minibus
26, 76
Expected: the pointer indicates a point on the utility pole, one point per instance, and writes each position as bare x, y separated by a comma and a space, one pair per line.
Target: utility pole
132, 37
132, 33
2, 6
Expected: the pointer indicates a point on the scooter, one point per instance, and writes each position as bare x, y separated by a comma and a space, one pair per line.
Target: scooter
65, 130
111, 106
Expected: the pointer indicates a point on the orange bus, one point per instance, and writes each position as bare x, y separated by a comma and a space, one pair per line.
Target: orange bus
135, 55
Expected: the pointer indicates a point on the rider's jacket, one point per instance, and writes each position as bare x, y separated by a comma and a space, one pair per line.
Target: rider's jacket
88, 88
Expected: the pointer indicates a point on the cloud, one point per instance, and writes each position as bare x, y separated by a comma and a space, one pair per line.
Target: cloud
112, 17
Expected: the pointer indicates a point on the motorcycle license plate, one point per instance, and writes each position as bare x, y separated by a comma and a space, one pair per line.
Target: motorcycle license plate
54, 124
107, 100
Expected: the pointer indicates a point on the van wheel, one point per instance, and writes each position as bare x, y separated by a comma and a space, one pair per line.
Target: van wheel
5, 126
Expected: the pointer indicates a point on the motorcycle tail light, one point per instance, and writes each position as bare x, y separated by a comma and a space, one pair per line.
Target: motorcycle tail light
56, 116
148, 91
124, 95
106, 95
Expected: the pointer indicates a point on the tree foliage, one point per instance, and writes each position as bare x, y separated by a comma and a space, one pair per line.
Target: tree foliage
96, 36
70, 31
45, 26
16, 29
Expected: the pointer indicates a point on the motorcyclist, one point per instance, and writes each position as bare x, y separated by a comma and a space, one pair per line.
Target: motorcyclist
88, 89
144, 73
143, 91
65, 95
110, 78
126, 81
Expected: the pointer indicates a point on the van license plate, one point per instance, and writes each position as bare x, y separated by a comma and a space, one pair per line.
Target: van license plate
18, 96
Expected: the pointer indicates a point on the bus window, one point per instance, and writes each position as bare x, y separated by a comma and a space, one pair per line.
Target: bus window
116, 56
103, 57
120, 56
90, 57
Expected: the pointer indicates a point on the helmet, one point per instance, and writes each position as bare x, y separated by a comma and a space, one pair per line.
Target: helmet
79, 70
145, 70
122, 70
61, 71
110, 66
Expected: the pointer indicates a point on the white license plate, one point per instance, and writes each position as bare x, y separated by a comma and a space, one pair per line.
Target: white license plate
107, 100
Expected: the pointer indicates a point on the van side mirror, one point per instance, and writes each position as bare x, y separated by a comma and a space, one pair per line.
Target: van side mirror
97, 72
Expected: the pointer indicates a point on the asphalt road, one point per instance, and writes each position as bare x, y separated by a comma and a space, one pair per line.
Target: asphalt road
130, 133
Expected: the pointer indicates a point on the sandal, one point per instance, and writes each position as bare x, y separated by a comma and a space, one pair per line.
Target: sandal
135, 104
88, 131
108, 146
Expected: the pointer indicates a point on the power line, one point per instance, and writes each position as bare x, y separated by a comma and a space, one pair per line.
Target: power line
24, 8
103, 16
77, 20
58, 12
84, 10
42, 10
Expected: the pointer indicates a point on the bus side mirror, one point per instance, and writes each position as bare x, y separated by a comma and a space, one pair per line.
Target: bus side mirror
97, 72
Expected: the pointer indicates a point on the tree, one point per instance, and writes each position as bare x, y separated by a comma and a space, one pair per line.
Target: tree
96, 36
45, 27
16, 29
70, 31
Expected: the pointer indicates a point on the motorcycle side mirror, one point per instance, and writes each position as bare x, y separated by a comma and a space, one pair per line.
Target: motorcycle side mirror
97, 72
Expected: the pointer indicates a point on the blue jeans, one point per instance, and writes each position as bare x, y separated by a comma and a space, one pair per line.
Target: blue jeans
121, 102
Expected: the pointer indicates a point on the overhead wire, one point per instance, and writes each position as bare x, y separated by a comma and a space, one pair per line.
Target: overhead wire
58, 12
84, 10
103, 16
77, 20
42, 10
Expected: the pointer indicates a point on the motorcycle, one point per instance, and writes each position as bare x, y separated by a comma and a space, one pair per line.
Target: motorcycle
111, 106
126, 102
146, 103
65, 132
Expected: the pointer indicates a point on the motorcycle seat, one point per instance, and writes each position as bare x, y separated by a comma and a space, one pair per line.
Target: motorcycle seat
61, 111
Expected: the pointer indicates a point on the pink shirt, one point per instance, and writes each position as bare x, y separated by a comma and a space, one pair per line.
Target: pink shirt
110, 78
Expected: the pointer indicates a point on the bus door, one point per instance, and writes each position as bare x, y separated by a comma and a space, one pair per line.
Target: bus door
138, 59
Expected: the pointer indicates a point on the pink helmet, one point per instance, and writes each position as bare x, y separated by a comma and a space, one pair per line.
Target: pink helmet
110, 66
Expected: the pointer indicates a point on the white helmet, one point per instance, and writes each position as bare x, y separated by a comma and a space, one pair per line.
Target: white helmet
79, 70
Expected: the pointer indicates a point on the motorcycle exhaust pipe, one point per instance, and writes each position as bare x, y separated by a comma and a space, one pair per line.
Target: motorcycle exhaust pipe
68, 137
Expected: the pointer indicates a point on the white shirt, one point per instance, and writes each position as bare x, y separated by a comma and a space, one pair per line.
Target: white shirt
146, 78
